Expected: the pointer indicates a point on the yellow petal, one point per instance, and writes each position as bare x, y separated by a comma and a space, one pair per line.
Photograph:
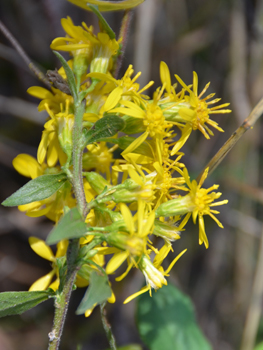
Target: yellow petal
39, 92
116, 262
55, 285
143, 290
136, 143
174, 261
165, 76
113, 99
127, 217
43, 282
62, 247
41, 249
26, 165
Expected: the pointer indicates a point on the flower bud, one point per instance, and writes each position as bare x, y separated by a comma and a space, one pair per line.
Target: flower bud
153, 276
124, 242
166, 231
177, 206
96, 181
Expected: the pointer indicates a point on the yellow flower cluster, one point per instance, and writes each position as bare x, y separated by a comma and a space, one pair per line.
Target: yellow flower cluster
135, 199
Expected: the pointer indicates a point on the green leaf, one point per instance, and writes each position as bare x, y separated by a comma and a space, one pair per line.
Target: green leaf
103, 22
70, 75
259, 346
15, 303
167, 321
103, 128
98, 292
71, 225
107, 5
37, 189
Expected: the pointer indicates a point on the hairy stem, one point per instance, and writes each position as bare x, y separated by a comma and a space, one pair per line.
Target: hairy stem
107, 327
62, 300
77, 160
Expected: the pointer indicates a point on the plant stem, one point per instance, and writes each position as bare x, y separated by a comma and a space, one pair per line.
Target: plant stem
62, 300
77, 159
107, 327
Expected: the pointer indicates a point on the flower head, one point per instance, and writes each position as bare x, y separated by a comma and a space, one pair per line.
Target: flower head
197, 108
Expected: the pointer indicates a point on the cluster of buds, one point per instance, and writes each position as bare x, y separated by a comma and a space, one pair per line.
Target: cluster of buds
139, 201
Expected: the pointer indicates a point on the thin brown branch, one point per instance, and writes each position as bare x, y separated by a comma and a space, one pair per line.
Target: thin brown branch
230, 143
37, 72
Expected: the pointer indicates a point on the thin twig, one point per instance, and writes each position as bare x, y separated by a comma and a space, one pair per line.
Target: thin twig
229, 144
254, 309
37, 72
124, 32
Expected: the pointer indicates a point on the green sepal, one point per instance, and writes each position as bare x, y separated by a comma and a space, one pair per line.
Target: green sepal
104, 24
15, 303
70, 75
37, 189
133, 125
97, 293
167, 321
70, 226
105, 127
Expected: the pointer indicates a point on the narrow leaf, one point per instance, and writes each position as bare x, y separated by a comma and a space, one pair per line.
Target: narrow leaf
98, 292
70, 75
70, 226
37, 189
167, 321
15, 303
107, 5
103, 128
103, 22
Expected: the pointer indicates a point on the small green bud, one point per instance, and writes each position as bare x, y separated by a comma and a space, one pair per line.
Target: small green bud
96, 181
177, 206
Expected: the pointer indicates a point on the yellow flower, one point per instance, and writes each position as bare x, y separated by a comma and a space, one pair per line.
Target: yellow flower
139, 227
197, 202
52, 207
202, 201
78, 40
54, 98
56, 138
99, 157
196, 111
124, 88
41, 249
98, 50
153, 271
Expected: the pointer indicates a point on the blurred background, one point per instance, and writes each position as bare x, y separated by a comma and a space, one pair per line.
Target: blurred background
222, 40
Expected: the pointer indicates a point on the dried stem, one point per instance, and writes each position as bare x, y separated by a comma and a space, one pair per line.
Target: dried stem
37, 72
124, 32
229, 144
254, 309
